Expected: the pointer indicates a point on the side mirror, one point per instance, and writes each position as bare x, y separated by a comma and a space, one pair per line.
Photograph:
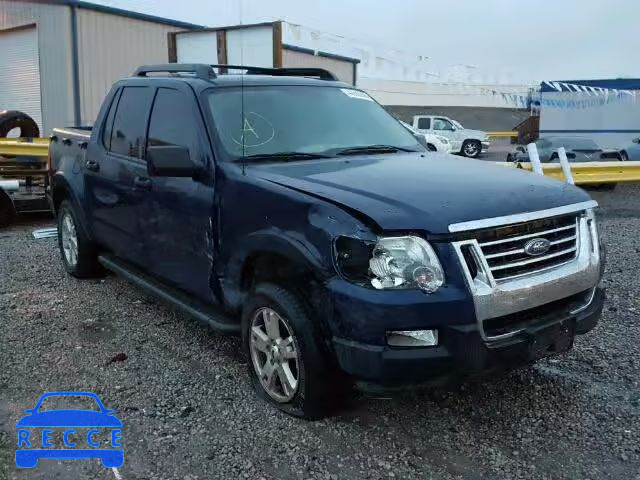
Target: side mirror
170, 161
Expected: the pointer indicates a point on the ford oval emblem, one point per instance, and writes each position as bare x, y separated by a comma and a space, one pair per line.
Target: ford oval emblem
537, 246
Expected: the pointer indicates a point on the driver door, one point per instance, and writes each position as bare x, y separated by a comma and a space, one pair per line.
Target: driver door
442, 126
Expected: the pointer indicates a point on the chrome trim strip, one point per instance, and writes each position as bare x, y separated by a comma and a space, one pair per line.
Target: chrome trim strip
528, 235
540, 270
533, 260
586, 305
520, 217
521, 250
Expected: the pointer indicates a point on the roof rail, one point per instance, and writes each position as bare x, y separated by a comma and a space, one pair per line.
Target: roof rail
320, 73
200, 70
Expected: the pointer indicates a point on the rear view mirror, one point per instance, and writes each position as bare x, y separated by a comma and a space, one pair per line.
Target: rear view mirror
170, 161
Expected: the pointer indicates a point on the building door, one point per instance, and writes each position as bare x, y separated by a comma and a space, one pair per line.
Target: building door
20, 72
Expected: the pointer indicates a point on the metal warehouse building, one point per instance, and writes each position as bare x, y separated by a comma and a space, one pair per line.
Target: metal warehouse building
59, 58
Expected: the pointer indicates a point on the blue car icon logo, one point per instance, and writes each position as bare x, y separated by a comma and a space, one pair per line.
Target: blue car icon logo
33, 445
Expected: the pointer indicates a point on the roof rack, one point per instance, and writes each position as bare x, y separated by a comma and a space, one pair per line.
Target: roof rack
199, 69
207, 72
320, 73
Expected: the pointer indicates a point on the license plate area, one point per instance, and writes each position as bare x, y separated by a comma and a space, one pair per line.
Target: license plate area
557, 338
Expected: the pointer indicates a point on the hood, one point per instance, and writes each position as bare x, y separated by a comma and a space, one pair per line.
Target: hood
422, 192
478, 134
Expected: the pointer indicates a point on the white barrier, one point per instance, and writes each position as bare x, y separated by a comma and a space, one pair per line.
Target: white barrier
534, 159
566, 168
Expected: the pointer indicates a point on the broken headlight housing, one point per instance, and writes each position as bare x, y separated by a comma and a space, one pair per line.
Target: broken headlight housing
391, 263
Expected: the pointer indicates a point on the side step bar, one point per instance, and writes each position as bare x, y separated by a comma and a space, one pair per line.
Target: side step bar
202, 312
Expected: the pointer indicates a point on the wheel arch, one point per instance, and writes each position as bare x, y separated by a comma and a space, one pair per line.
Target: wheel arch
61, 190
271, 257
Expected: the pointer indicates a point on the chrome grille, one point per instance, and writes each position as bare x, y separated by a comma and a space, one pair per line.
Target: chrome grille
503, 248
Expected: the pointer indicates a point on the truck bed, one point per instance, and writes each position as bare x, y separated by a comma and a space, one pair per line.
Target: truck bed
68, 142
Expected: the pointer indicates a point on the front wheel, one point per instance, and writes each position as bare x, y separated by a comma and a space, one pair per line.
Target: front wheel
287, 364
471, 148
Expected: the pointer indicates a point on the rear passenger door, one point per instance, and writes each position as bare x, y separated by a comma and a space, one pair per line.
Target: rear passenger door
179, 218
113, 171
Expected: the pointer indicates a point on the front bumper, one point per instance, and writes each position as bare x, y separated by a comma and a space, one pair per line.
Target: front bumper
462, 351
485, 146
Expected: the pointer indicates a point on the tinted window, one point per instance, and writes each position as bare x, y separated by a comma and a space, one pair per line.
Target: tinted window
108, 124
424, 123
127, 137
574, 143
442, 124
172, 120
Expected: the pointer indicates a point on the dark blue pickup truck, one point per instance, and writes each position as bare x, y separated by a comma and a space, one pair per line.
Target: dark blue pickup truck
290, 208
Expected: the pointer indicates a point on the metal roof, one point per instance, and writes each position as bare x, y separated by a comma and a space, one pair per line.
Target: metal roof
127, 13
613, 84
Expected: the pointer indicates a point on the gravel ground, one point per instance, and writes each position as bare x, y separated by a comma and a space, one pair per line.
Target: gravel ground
189, 412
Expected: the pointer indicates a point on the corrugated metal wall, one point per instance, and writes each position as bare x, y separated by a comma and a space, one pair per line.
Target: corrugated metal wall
111, 47
54, 43
340, 68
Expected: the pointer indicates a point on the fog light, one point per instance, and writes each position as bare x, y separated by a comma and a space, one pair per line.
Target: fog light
413, 338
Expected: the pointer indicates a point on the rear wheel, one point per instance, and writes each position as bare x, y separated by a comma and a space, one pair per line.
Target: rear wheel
79, 254
471, 148
287, 364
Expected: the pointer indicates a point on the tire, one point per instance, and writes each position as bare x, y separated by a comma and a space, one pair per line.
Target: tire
13, 119
79, 257
431, 147
624, 156
471, 148
7, 210
315, 394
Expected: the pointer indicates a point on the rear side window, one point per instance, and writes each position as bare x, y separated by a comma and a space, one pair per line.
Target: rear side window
172, 121
129, 124
108, 124
424, 123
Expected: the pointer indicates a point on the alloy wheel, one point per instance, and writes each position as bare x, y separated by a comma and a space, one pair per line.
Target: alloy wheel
274, 354
69, 239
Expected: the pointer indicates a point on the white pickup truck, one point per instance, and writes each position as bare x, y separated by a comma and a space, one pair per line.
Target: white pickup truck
469, 143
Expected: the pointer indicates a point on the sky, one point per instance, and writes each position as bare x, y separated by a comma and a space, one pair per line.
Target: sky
525, 41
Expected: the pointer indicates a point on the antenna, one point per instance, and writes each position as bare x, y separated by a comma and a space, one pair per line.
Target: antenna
242, 119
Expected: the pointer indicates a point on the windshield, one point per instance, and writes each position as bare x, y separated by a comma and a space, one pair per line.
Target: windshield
573, 143
304, 119
457, 124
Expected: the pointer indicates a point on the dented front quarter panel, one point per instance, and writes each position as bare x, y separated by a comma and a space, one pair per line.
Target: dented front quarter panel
259, 216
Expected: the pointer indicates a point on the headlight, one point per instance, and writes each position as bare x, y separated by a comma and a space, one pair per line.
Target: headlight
405, 262
442, 139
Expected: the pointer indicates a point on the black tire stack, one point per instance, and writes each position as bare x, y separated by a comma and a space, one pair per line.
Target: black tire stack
9, 120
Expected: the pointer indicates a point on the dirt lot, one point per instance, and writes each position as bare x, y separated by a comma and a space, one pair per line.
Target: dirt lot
189, 412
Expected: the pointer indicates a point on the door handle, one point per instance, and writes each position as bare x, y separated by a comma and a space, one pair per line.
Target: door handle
92, 165
142, 183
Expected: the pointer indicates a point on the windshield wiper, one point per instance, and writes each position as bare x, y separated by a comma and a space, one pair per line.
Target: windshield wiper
373, 149
283, 156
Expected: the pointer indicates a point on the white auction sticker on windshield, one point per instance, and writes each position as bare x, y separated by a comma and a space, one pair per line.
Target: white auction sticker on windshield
350, 92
